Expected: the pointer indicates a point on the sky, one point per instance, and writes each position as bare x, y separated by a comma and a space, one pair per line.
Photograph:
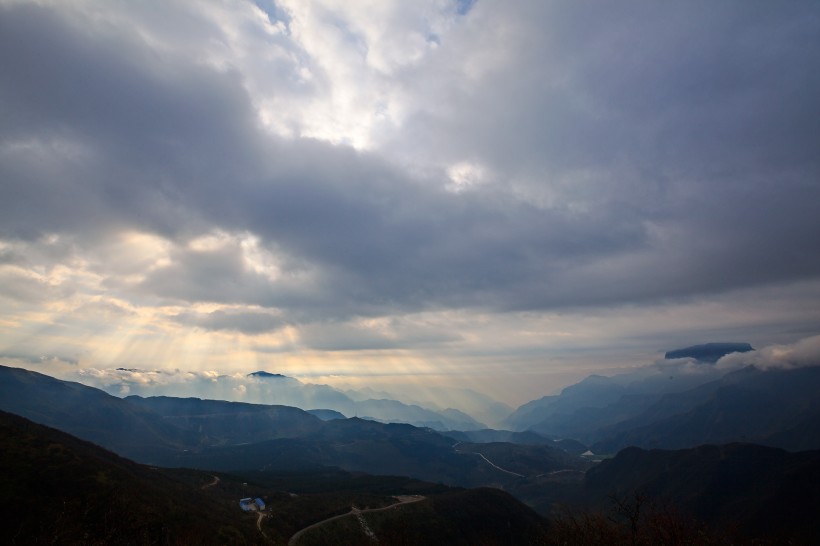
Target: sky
506, 196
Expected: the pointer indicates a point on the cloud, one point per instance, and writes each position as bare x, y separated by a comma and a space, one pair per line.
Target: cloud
213, 385
45, 360
576, 211
803, 353
240, 321
19, 285
376, 334
318, 165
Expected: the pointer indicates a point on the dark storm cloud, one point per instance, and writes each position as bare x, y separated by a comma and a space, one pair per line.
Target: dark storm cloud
698, 122
644, 153
18, 286
695, 88
97, 133
238, 321
339, 336
211, 275
8, 256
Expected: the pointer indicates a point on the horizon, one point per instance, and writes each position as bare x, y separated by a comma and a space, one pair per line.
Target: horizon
506, 197
248, 386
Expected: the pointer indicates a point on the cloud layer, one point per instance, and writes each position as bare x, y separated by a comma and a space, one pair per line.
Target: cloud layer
803, 353
316, 176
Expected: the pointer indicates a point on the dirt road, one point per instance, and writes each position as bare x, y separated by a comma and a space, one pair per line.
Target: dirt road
488, 461
402, 499
211, 484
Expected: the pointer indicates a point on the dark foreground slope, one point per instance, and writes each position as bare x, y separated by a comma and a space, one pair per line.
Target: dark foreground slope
759, 491
476, 516
57, 489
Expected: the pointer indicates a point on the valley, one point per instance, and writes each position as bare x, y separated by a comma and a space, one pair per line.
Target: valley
322, 476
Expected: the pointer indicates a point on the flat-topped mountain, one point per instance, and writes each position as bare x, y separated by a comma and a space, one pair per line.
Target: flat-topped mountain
709, 352
265, 374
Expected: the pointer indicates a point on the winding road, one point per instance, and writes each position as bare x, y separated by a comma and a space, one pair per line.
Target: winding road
402, 499
489, 462
211, 484
495, 465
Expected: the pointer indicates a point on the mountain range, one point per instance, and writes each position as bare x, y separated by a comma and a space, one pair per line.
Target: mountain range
762, 491
219, 435
680, 404
268, 388
598, 400
776, 407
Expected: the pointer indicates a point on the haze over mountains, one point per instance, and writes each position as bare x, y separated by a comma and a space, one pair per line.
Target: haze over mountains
683, 395
637, 387
680, 406
266, 387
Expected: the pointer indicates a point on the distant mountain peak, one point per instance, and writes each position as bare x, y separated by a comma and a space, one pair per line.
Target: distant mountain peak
596, 378
262, 373
709, 352
591, 383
